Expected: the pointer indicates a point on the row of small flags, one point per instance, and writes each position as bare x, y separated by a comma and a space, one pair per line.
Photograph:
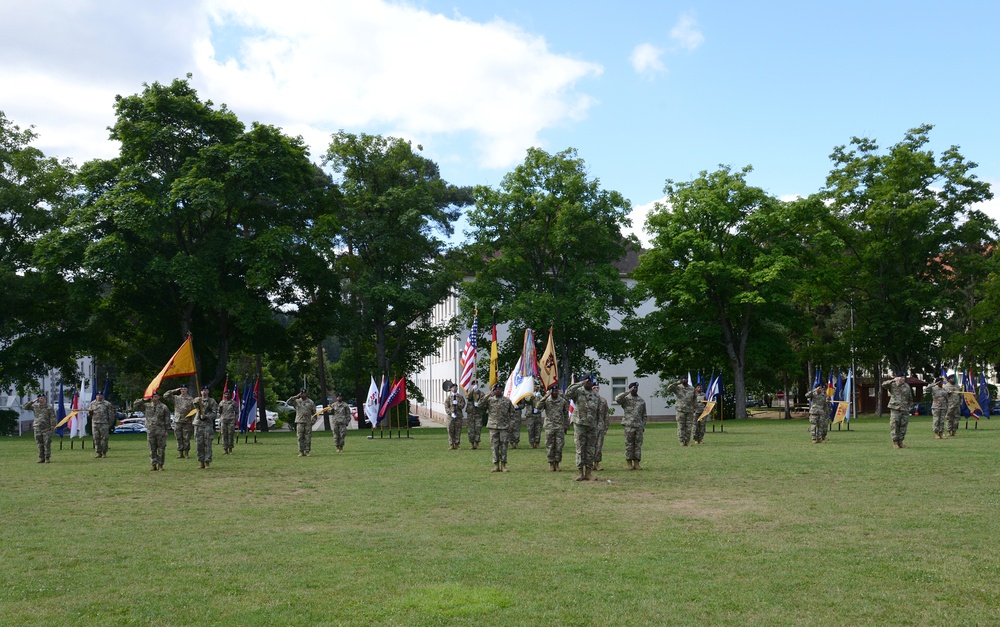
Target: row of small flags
76, 420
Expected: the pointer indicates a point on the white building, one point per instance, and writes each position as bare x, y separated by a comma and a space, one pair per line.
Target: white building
48, 384
444, 365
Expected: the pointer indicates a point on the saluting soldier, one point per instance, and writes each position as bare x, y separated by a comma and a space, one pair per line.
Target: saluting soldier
634, 423
603, 423
940, 395
305, 416
204, 427
455, 404
183, 421
819, 413
341, 417
157, 424
698, 426
102, 415
685, 407
556, 409
43, 425
227, 421
474, 415
588, 405
499, 410
900, 404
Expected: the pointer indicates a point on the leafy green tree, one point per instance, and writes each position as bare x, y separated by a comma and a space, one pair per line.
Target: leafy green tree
906, 220
37, 329
199, 225
544, 247
725, 261
395, 212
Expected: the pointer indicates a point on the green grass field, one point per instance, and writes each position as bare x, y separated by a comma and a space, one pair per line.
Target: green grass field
757, 526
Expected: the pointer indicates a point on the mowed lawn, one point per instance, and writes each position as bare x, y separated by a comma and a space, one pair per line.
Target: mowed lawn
756, 526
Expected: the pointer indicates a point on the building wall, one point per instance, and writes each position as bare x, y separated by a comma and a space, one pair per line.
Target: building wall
48, 384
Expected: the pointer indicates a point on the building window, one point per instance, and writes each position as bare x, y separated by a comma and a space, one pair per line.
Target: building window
618, 386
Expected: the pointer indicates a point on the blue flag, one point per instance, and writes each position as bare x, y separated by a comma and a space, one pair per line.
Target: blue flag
984, 394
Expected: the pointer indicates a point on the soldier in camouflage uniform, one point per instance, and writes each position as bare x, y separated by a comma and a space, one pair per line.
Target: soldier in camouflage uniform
685, 407
900, 404
954, 405
474, 416
157, 425
43, 426
603, 423
514, 433
341, 417
183, 423
556, 424
498, 410
634, 423
534, 419
698, 426
204, 427
227, 421
588, 406
102, 414
819, 413
940, 396
455, 403
305, 411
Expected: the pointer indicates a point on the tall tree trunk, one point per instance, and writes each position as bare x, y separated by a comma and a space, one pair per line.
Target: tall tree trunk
322, 384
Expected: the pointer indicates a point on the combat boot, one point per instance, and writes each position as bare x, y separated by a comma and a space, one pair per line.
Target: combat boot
597, 466
552, 466
97, 455
180, 454
41, 460
557, 467
895, 444
901, 445
496, 468
503, 467
635, 465
201, 465
629, 462
207, 464
154, 468
161, 466
579, 476
586, 474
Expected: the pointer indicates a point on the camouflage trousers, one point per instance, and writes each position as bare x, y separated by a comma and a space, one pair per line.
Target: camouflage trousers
585, 439
699, 430
475, 426
684, 420
818, 425
534, 428
183, 430
555, 439
101, 438
304, 434
633, 443
228, 434
44, 441
940, 418
454, 431
514, 433
599, 443
953, 420
898, 420
203, 435
498, 442
157, 441
339, 434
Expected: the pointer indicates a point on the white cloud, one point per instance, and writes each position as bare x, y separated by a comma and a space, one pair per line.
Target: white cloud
311, 68
685, 33
991, 207
646, 59
639, 215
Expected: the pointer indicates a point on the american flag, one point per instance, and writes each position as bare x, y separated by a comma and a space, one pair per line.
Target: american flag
468, 360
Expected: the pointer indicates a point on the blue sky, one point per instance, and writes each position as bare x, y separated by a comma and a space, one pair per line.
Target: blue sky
645, 91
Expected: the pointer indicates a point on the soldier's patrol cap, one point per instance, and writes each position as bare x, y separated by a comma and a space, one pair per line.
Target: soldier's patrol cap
497, 386
302, 391
155, 393
204, 387
340, 395
634, 384
184, 386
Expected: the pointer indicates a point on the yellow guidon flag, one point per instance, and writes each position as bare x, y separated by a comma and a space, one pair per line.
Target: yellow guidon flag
494, 358
841, 413
180, 365
709, 406
67, 418
548, 370
973, 404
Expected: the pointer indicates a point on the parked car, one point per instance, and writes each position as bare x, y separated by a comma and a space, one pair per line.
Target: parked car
272, 418
284, 408
131, 427
136, 420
